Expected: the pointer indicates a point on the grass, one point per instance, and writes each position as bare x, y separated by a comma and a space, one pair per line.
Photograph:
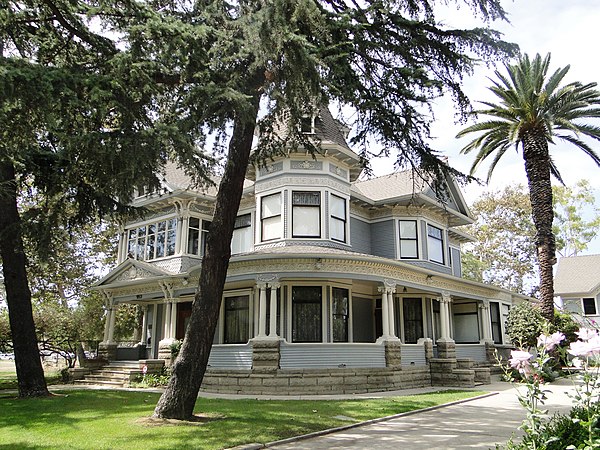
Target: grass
8, 377
115, 419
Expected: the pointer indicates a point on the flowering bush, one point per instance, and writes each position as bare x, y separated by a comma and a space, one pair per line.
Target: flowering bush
580, 429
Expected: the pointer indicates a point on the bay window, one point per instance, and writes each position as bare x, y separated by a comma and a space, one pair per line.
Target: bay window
409, 248
241, 241
155, 240
435, 244
270, 217
306, 214
337, 221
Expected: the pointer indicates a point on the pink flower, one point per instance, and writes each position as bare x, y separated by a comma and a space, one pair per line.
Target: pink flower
549, 342
577, 362
520, 360
582, 348
585, 334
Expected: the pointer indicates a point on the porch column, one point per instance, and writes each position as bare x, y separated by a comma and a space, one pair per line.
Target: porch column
486, 320
182, 233
144, 334
385, 313
167, 327
262, 310
445, 300
273, 310
391, 315
173, 322
111, 324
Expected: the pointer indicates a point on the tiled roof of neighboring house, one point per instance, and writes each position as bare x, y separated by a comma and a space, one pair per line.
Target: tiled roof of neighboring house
390, 186
577, 275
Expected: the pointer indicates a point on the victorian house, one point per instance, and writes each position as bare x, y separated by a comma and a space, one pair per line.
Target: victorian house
334, 285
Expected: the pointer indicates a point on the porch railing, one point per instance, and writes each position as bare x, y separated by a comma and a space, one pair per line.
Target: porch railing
474, 351
330, 356
413, 355
231, 356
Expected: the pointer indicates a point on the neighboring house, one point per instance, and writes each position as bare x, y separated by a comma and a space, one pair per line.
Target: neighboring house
354, 281
577, 283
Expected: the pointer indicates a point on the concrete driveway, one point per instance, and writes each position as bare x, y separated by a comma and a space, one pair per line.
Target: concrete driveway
480, 424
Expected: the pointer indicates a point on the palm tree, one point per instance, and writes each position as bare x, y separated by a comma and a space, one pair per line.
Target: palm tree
534, 111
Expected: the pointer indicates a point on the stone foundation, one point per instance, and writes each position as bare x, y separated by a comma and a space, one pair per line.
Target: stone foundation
393, 354
265, 355
314, 381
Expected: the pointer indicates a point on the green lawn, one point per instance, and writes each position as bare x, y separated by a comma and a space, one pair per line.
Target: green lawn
106, 419
8, 377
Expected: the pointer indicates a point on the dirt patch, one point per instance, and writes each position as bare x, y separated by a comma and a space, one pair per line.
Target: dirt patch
196, 420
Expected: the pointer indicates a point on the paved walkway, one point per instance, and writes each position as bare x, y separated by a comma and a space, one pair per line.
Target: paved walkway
476, 424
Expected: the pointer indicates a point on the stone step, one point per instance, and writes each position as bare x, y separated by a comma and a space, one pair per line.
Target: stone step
99, 377
89, 382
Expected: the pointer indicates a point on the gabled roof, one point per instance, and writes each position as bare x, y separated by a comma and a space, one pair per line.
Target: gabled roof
577, 275
132, 270
406, 186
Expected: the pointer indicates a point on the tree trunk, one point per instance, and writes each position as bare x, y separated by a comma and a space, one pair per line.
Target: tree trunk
30, 374
537, 167
178, 400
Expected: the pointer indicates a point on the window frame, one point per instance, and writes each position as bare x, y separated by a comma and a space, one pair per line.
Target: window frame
347, 316
584, 309
333, 218
319, 206
439, 240
264, 217
141, 240
202, 232
322, 312
242, 227
415, 239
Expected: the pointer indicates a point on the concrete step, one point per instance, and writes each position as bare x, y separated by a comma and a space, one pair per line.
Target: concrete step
89, 382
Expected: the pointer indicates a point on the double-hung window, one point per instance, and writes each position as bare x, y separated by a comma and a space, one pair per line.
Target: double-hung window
409, 248
435, 244
236, 319
270, 217
340, 314
241, 241
306, 214
337, 222
307, 314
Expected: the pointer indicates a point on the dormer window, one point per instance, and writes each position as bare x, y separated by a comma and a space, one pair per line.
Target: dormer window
306, 214
307, 124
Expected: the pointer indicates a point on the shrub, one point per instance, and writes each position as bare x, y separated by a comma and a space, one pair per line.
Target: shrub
524, 324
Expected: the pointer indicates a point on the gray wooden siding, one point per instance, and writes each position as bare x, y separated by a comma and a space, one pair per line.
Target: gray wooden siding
413, 355
330, 356
456, 262
231, 356
383, 242
360, 236
475, 351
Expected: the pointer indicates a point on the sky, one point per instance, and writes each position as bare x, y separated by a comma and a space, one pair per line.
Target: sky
569, 30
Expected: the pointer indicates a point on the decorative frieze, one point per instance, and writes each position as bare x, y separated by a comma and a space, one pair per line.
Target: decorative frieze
338, 171
286, 181
306, 165
271, 168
